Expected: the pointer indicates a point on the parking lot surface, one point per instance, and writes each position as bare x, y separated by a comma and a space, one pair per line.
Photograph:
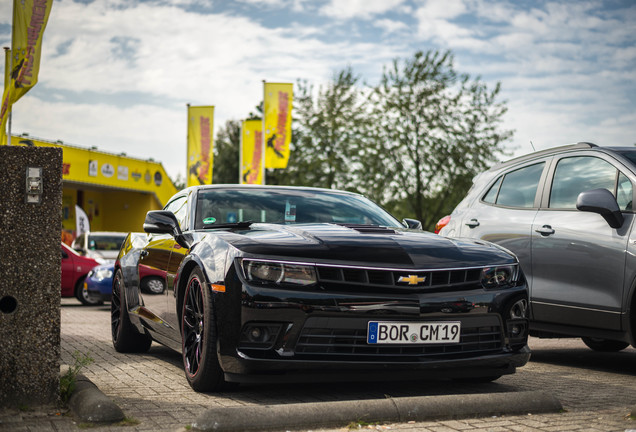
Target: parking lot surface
597, 390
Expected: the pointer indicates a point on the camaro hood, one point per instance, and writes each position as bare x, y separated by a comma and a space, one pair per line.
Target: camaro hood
365, 245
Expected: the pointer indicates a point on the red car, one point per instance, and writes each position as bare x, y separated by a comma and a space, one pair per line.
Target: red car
74, 270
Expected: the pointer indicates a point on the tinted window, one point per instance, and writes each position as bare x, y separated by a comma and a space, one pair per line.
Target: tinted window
491, 196
578, 174
624, 192
179, 208
519, 187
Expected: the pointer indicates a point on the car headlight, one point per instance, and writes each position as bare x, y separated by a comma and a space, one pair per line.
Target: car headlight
499, 276
104, 273
280, 273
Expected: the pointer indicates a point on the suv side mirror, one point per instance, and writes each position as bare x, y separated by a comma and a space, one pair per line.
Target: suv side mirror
412, 223
601, 201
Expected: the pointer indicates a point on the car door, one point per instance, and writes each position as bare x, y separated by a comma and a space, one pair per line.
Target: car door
505, 212
68, 269
578, 260
179, 207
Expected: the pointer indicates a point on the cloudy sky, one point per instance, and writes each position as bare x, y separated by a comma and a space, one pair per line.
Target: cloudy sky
117, 74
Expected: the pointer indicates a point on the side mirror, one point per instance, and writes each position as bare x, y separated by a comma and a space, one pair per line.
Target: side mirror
412, 223
165, 222
601, 201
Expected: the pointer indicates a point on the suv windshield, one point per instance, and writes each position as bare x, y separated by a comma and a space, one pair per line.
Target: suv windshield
287, 206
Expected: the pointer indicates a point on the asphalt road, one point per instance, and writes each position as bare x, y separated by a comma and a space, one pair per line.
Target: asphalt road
597, 390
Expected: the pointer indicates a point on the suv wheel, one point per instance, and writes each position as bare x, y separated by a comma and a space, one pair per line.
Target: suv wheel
604, 345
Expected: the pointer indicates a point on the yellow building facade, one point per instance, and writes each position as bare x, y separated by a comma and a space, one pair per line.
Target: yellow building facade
115, 191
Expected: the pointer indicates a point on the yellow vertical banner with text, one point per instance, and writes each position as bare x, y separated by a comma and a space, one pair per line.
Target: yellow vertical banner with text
29, 21
251, 152
200, 141
278, 116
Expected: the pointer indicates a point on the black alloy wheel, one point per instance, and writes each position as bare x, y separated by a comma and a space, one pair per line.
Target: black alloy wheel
198, 334
126, 338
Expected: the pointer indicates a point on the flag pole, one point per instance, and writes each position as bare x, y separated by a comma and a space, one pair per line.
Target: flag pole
263, 148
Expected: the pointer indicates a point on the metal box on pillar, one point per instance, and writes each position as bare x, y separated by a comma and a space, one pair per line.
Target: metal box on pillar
30, 223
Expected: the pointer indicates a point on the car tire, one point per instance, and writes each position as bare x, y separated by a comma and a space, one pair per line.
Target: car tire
199, 337
82, 295
604, 345
152, 285
126, 338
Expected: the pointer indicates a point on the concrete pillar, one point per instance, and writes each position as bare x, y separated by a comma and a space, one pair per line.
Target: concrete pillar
30, 274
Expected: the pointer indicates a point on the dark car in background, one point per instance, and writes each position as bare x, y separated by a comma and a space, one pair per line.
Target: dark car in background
567, 213
74, 270
281, 283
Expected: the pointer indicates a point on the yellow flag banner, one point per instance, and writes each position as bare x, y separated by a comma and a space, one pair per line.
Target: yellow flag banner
278, 109
200, 130
252, 152
29, 21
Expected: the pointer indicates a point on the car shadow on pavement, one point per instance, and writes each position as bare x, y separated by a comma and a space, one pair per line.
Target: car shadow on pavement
623, 362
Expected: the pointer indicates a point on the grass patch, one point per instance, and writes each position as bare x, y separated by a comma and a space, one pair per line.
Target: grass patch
68, 380
128, 421
359, 424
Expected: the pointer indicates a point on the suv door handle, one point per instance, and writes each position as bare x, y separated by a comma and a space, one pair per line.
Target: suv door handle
545, 230
473, 223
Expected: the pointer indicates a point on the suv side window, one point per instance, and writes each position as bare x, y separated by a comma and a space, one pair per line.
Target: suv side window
516, 188
574, 175
624, 192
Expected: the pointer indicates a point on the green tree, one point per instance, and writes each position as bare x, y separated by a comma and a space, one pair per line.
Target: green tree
433, 130
226, 153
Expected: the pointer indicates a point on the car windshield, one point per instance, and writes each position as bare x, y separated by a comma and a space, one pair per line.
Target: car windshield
105, 242
287, 206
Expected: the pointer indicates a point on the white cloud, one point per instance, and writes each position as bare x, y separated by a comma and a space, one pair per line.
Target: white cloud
390, 26
364, 9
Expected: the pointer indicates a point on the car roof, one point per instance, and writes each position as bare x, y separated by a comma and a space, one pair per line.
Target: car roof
545, 152
115, 233
615, 150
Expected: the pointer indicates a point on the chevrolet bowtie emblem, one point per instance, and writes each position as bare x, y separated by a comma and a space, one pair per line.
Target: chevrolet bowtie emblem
412, 279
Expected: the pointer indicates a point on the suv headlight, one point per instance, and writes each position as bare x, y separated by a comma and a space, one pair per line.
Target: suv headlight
499, 276
279, 273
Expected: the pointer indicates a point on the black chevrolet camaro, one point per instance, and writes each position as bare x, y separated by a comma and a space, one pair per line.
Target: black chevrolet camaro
283, 283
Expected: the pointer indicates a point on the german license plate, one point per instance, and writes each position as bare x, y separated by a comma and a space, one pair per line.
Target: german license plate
386, 332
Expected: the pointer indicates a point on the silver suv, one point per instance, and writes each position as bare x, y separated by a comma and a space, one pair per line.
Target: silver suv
567, 214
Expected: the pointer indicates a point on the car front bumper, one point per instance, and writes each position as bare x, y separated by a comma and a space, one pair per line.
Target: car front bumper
318, 335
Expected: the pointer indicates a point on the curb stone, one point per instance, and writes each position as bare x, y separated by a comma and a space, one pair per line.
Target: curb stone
89, 404
393, 410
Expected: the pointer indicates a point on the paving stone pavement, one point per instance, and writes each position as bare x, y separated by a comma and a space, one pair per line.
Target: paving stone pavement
597, 390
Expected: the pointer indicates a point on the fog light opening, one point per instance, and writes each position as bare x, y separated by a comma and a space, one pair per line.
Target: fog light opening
258, 334
515, 330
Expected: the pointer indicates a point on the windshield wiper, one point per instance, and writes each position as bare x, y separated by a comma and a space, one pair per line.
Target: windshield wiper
242, 224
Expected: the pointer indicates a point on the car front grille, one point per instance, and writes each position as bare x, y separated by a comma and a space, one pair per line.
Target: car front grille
340, 339
337, 278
